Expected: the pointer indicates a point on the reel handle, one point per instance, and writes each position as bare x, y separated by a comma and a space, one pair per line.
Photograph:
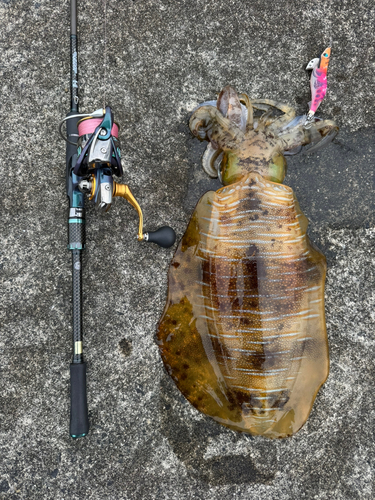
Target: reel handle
164, 237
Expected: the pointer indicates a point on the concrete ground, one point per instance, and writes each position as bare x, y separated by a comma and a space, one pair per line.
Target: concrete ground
164, 57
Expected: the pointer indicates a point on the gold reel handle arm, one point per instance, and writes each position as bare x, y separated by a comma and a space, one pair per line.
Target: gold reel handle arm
123, 190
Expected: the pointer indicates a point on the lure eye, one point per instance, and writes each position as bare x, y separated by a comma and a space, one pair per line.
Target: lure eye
325, 54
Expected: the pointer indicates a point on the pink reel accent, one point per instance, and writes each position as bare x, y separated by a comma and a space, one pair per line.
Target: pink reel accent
88, 127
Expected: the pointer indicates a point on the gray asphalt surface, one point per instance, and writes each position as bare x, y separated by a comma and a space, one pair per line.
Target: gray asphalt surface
165, 57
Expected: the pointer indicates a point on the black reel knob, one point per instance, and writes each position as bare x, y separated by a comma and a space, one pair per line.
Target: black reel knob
164, 236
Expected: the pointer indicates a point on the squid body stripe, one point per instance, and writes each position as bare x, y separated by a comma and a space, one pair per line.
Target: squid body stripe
266, 341
254, 330
252, 224
237, 337
280, 198
202, 258
276, 317
282, 335
266, 279
275, 255
260, 278
237, 349
297, 239
206, 307
248, 330
264, 397
262, 409
227, 357
270, 296
239, 241
226, 240
274, 235
270, 204
253, 373
297, 288
224, 257
265, 256
281, 256
207, 251
219, 204
291, 316
299, 272
251, 311
225, 336
222, 197
270, 409
271, 218
268, 235
260, 219
226, 224
287, 193
273, 373
260, 390
234, 203
228, 259
262, 419
250, 210
280, 298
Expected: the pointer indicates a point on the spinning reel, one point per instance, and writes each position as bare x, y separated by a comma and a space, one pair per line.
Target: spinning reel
98, 160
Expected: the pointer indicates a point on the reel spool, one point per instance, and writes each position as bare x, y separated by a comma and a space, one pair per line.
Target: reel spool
98, 145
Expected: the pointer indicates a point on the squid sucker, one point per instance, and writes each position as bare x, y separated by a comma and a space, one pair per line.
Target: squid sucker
243, 332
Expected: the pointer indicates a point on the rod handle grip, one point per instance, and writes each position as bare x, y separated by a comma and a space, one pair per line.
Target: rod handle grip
79, 419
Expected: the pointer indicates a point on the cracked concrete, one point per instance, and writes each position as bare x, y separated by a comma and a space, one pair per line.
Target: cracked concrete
165, 57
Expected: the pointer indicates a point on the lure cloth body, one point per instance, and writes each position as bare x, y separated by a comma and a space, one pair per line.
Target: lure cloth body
318, 80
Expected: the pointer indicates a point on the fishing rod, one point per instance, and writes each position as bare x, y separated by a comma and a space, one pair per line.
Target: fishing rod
93, 158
